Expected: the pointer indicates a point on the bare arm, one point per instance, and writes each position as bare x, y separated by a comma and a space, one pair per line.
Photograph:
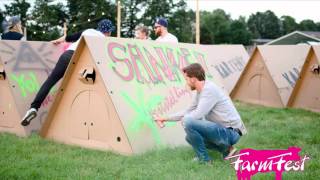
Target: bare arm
62, 38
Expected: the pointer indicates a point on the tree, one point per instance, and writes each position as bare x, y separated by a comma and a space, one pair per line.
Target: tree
45, 20
255, 24
318, 26
182, 23
18, 8
239, 32
129, 17
307, 25
215, 27
1, 20
85, 14
264, 25
288, 24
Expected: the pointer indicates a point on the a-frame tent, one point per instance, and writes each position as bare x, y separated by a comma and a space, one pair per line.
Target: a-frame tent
270, 75
227, 62
24, 65
306, 93
112, 89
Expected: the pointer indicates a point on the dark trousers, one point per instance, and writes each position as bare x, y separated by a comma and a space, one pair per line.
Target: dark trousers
56, 74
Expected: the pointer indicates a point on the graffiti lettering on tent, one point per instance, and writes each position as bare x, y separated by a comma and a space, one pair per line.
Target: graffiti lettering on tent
49, 99
142, 107
291, 76
151, 64
175, 94
27, 58
164, 107
226, 68
28, 83
145, 106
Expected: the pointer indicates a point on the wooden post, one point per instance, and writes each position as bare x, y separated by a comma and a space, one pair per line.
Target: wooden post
24, 34
118, 19
197, 24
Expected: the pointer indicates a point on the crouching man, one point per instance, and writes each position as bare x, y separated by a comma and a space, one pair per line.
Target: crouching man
212, 121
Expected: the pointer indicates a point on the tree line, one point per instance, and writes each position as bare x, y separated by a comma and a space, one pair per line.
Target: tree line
46, 17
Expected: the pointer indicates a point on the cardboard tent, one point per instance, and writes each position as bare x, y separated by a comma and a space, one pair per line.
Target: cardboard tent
306, 93
227, 61
23, 68
112, 89
270, 75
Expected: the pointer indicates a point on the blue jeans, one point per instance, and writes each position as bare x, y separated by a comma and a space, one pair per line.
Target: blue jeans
203, 134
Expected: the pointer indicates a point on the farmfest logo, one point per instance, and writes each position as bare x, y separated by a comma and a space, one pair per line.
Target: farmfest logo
250, 162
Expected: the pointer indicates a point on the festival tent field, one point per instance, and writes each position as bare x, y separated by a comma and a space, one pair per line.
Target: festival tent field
112, 89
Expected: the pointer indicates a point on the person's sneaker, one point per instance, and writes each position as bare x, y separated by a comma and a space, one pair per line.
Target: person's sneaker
208, 163
195, 159
31, 114
231, 152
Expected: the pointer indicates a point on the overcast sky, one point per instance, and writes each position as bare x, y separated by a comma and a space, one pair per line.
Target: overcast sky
299, 9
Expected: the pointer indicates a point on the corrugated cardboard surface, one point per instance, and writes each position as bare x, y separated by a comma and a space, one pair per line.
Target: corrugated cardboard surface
256, 84
306, 92
284, 63
227, 62
27, 64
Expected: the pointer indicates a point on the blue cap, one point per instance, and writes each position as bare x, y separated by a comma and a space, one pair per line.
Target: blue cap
105, 25
162, 21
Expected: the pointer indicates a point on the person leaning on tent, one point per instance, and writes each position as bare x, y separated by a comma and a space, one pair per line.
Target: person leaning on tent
211, 121
105, 27
15, 29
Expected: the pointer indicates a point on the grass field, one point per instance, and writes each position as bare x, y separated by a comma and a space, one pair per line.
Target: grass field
269, 128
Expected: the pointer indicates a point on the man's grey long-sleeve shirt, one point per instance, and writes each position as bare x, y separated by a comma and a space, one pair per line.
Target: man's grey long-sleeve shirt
213, 105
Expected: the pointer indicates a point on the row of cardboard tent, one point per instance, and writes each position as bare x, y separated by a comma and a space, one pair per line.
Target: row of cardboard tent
113, 86
281, 76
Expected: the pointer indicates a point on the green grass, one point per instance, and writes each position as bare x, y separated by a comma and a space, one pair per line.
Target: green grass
269, 128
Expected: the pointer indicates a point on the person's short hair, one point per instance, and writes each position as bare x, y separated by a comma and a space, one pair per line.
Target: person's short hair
14, 20
143, 29
195, 70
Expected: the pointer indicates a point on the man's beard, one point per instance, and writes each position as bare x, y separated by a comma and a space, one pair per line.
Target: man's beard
158, 33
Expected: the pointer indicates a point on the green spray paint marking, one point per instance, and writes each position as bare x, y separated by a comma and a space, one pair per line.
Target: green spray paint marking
143, 117
170, 123
28, 83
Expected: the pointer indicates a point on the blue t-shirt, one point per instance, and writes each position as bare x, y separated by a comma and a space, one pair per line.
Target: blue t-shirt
11, 36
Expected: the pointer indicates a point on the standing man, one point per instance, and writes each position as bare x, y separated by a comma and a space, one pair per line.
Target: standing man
161, 30
211, 121
104, 29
